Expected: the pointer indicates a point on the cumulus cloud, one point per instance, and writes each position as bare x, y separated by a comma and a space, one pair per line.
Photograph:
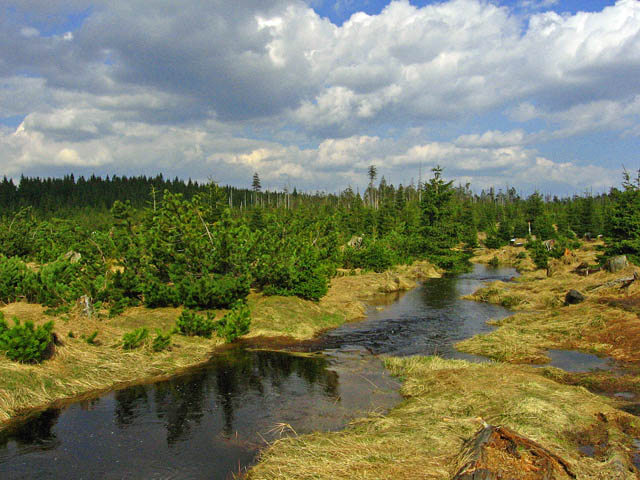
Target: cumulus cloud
193, 87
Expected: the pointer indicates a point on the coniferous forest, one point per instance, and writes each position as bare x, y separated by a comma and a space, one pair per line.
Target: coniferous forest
129, 241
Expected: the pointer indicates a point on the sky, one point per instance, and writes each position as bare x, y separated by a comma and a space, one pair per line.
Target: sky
532, 94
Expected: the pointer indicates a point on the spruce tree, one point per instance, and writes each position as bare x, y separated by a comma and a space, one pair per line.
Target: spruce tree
623, 235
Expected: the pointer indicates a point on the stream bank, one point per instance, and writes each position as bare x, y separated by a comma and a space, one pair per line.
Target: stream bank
79, 368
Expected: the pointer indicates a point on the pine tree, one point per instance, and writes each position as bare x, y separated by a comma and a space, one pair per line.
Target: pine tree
623, 232
255, 184
438, 222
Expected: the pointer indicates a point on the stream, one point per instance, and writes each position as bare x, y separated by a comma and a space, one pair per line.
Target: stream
212, 421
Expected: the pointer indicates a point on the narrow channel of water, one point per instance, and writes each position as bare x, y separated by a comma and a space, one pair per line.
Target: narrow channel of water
210, 422
428, 320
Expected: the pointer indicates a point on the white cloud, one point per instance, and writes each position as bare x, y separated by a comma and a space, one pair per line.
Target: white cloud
29, 32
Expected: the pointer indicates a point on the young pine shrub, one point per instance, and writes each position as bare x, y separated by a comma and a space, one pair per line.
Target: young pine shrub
235, 323
12, 274
191, 324
162, 341
25, 343
91, 339
135, 338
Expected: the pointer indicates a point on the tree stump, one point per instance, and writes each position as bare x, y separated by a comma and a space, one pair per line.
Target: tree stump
499, 453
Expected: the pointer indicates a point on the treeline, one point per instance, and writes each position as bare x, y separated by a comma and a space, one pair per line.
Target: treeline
205, 246
65, 196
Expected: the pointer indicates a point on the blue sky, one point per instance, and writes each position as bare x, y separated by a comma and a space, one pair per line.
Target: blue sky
537, 94
341, 10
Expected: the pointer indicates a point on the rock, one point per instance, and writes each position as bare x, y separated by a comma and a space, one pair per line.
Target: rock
50, 351
615, 264
73, 257
573, 297
355, 242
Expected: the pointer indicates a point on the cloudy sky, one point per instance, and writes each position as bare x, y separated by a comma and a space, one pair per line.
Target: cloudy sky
536, 94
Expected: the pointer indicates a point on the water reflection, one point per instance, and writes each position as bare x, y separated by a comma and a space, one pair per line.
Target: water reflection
38, 431
200, 425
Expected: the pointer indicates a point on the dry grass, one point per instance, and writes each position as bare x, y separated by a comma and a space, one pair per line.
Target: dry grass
446, 402
607, 323
78, 367
514, 256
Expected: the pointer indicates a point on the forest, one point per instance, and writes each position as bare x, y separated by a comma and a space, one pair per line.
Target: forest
119, 242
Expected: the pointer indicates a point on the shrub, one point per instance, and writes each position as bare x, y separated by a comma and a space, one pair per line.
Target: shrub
25, 343
235, 323
54, 284
135, 338
494, 262
91, 339
218, 291
158, 294
118, 307
539, 254
161, 342
191, 324
377, 256
12, 273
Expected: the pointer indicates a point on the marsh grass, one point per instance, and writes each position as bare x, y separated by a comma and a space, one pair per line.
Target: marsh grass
607, 323
446, 403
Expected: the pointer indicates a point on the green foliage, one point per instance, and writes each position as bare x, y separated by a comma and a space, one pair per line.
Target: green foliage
623, 227
235, 323
439, 232
217, 291
192, 324
12, 274
204, 246
376, 256
161, 342
539, 253
494, 262
135, 338
55, 283
24, 342
494, 241
91, 339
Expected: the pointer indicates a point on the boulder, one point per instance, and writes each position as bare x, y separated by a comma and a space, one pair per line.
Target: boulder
73, 257
50, 351
573, 297
617, 263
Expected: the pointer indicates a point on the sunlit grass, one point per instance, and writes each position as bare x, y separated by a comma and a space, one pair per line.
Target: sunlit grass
447, 401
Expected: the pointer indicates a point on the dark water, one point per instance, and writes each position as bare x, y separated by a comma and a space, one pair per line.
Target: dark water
571, 361
429, 319
211, 422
